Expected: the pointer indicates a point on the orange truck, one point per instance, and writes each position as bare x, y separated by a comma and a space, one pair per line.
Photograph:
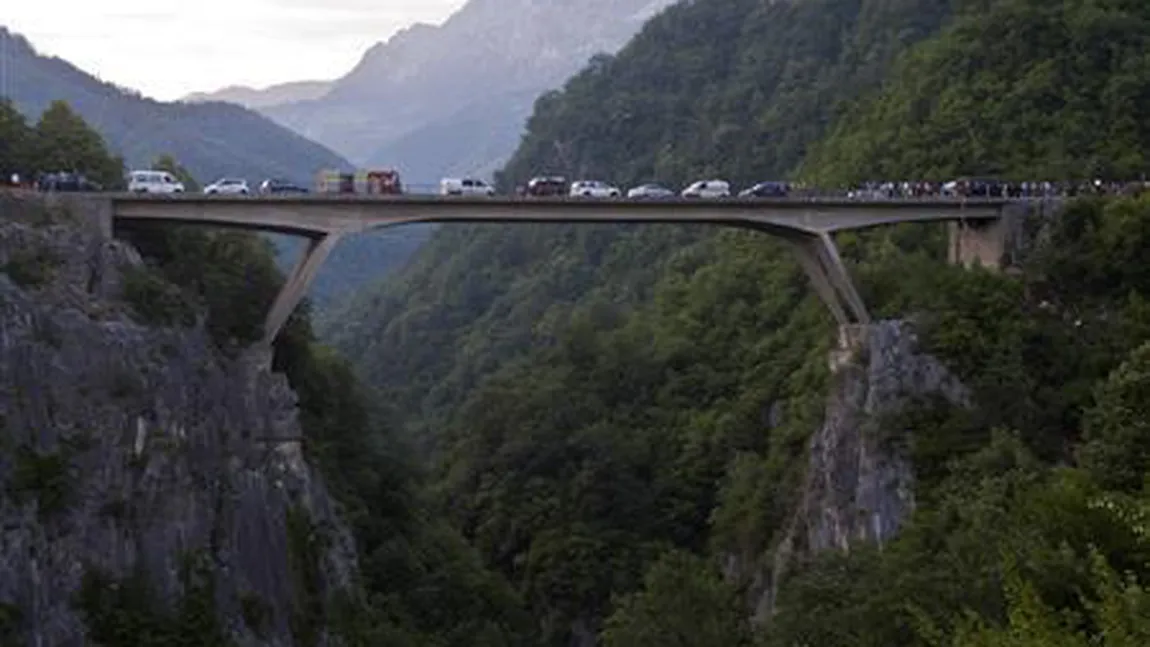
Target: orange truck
379, 182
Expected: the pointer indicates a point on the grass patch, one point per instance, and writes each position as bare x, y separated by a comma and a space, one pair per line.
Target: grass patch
257, 614
31, 268
46, 477
155, 301
305, 548
11, 617
125, 613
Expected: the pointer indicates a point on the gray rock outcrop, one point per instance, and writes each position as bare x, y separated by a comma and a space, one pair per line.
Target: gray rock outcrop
859, 488
132, 452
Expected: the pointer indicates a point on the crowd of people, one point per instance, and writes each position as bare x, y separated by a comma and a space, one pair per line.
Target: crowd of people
990, 188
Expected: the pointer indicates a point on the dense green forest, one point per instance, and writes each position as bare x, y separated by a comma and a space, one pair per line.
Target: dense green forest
1028, 90
212, 140
617, 418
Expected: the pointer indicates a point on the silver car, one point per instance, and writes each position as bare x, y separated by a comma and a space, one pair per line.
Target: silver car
650, 190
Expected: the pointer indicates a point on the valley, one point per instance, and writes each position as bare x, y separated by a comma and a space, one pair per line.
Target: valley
611, 434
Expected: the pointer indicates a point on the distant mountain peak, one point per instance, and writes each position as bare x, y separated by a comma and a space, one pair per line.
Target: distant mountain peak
489, 58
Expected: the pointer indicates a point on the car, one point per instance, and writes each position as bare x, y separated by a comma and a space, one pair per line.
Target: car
465, 186
228, 186
766, 190
543, 186
65, 181
708, 189
275, 186
154, 182
650, 190
593, 189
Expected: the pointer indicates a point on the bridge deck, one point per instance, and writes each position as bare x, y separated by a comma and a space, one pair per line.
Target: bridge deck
349, 213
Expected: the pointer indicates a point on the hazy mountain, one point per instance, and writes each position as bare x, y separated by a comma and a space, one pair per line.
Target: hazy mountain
210, 139
263, 97
454, 97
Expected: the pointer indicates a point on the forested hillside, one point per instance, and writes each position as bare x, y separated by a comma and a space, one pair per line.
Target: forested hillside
1024, 91
618, 417
211, 140
734, 89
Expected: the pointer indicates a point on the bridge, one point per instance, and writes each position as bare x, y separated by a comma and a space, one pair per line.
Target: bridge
806, 224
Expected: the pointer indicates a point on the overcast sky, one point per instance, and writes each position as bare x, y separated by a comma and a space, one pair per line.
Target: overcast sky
167, 49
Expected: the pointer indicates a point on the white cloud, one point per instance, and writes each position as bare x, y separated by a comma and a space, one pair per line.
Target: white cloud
167, 50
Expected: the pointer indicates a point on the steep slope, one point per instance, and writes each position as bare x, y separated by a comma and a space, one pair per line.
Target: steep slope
1017, 90
211, 140
490, 52
601, 400
737, 90
145, 471
254, 98
166, 482
472, 141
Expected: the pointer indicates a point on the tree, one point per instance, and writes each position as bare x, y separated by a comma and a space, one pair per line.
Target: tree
15, 141
64, 142
683, 602
1117, 447
168, 163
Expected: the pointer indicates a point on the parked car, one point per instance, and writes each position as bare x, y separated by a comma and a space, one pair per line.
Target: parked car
766, 190
594, 189
228, 186
465, 186
65, 181
154, 182
650, 190
552, 185
275, 186
708, 189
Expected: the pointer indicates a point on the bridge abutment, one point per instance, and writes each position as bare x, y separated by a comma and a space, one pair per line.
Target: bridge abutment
851, 338
979, 242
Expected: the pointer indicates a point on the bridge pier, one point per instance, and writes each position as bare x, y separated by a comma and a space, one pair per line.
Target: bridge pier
819, 258
297, 282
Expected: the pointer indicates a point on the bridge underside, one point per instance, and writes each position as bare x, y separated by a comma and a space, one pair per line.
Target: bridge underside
816, 253
806, 226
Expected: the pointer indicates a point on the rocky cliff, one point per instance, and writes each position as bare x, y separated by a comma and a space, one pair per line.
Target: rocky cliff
149, 490
859, 485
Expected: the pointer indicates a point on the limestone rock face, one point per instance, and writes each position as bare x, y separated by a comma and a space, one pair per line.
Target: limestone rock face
132, 452
859, 488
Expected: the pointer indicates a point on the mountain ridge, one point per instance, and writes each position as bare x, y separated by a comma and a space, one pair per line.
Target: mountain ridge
211, 140
430, 77
252, 98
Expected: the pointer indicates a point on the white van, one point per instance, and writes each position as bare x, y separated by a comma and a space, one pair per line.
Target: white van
708, 189
154, 182
465, 186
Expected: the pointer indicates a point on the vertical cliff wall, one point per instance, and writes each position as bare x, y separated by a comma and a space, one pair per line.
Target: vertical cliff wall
858, 486
138, 488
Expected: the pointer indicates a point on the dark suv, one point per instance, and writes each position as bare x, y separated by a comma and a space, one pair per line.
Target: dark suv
65, 181
546, 186
766, 190
272, 185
